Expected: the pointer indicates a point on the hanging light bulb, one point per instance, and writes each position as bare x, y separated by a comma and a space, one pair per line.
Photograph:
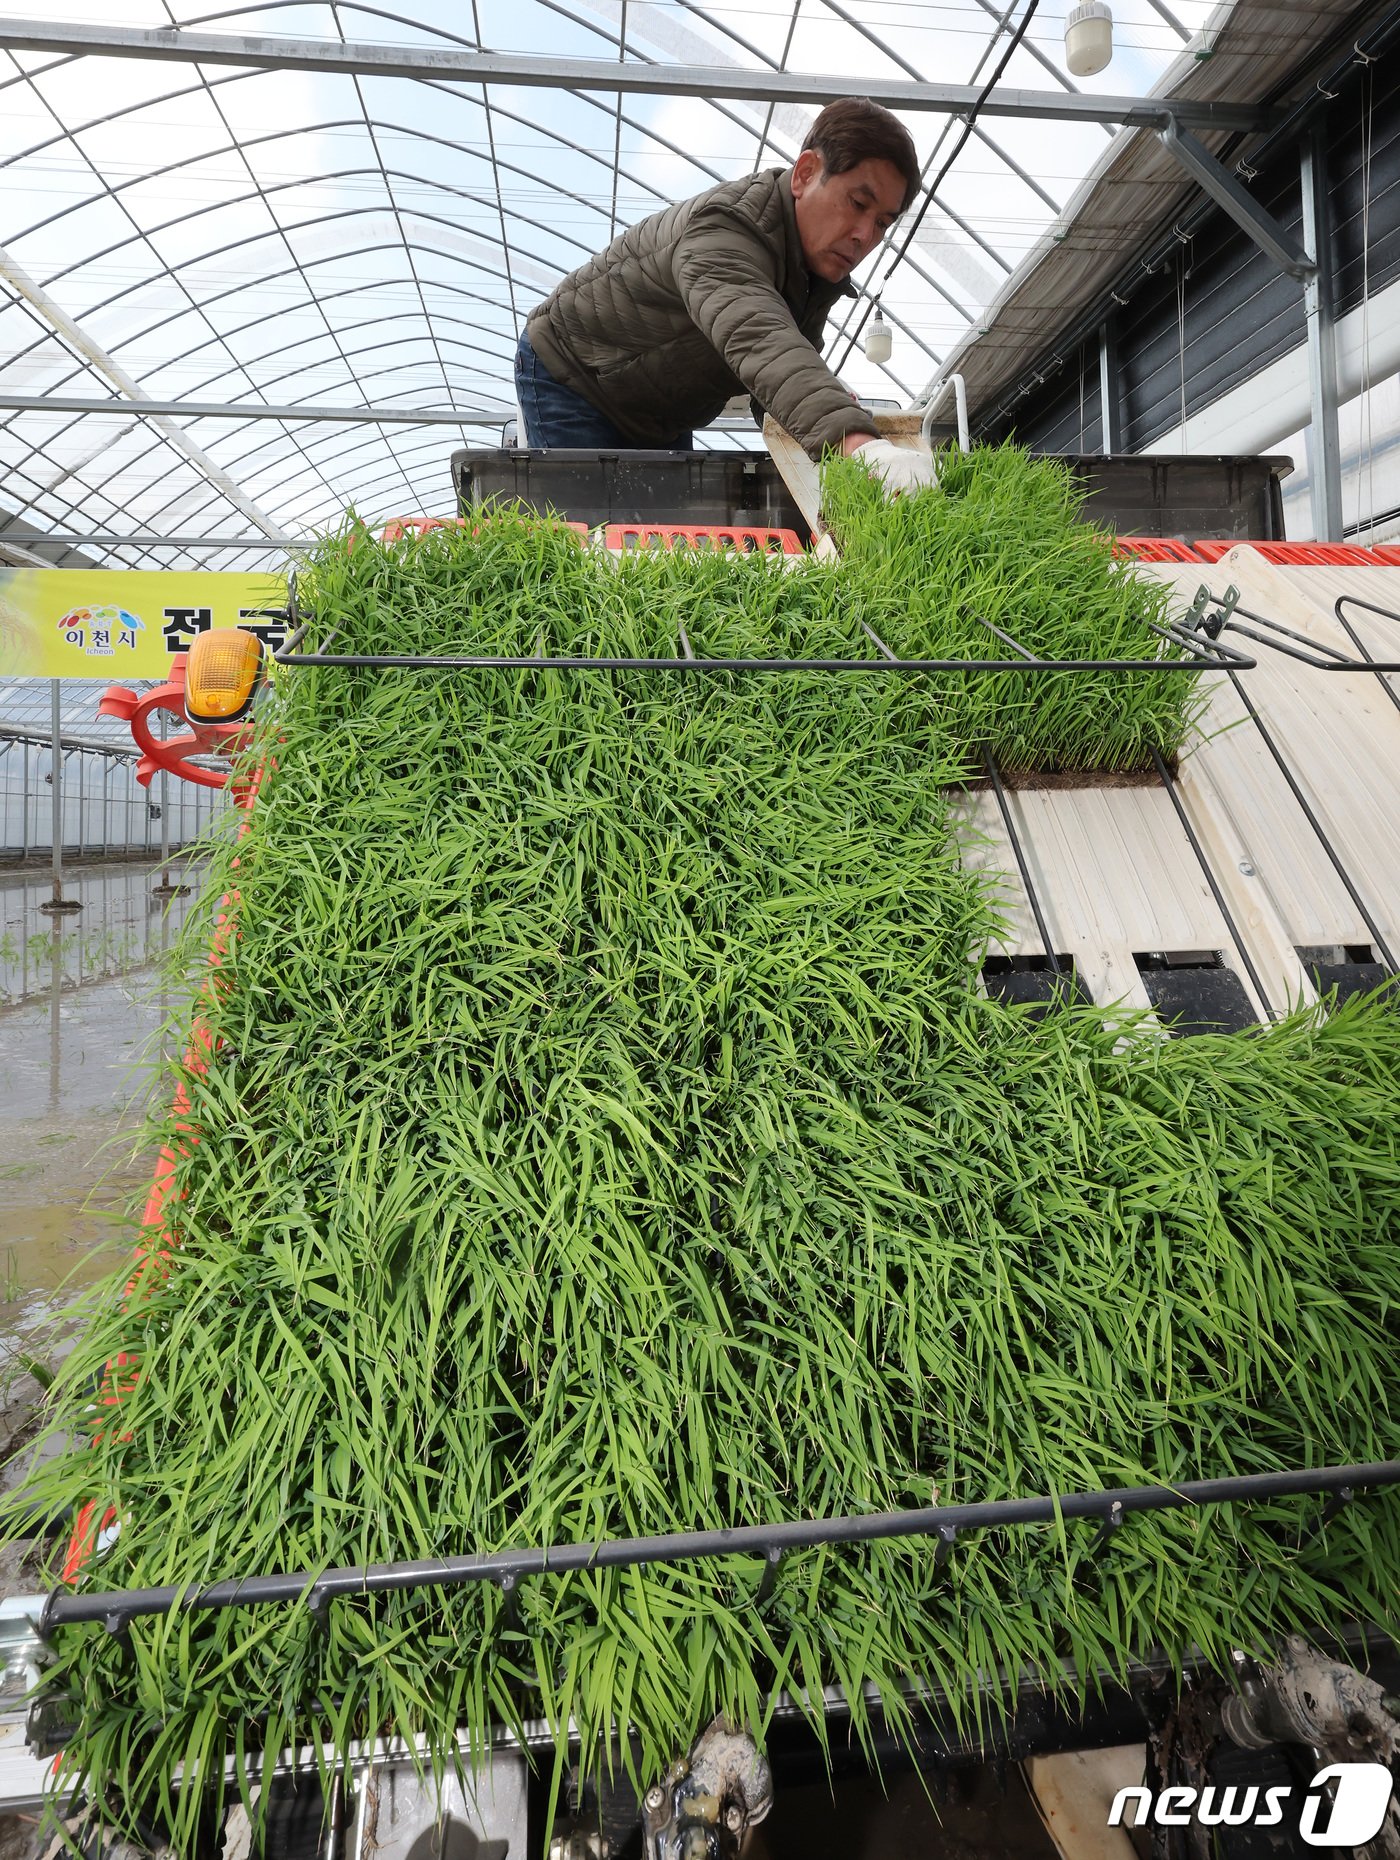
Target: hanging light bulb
879, 344
1088, 38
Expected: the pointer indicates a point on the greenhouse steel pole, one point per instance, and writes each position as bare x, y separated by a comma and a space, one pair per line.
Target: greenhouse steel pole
58, 905
1110, 402
165, 889
459, 64
1325, 461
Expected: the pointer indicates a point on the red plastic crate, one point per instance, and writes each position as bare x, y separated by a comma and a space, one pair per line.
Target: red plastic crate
398, 527
1298, 554
1156, 549
703, 535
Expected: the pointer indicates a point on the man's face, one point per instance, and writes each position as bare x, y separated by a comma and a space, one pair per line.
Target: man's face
843, 217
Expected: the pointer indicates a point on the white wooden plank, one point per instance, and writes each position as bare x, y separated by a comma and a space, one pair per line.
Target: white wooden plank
798, 473
1074, 1793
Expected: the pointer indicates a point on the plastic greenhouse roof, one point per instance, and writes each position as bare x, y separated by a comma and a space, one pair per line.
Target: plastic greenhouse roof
187, 232
26, 711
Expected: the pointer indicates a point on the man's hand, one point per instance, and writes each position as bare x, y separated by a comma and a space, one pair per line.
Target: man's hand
900, 469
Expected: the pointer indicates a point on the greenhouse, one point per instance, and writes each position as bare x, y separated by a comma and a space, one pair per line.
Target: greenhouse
698, 917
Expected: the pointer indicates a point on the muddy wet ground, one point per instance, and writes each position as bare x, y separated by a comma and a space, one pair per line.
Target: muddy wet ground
81, 1009
81, 1013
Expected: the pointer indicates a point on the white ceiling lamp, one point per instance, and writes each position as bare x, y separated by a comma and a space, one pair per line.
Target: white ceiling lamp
1088, 38
879, 344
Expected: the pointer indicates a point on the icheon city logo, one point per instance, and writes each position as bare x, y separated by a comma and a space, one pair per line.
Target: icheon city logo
1345, 1806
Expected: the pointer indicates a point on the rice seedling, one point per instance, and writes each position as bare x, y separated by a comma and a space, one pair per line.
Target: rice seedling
1002, 541
606, 1137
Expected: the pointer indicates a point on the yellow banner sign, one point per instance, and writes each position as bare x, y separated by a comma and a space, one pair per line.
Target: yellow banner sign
123, 623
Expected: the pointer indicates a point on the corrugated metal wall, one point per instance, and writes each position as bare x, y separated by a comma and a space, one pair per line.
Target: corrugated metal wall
1217, 301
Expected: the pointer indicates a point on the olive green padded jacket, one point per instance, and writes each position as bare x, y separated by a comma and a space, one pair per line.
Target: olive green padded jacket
704, 300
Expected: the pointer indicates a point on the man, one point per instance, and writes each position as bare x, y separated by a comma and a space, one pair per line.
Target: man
726, 293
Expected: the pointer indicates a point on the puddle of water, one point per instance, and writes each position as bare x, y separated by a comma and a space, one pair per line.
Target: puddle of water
75, 1075
121, 926
81, 1011
75, 1052
63, 1211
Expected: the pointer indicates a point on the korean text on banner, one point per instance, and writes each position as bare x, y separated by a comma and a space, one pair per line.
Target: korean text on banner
123, 623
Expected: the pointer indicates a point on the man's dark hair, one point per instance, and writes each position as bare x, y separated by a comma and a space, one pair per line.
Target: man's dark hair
854, 130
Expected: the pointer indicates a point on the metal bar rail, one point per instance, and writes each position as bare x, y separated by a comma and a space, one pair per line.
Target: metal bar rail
1218, 657
1386, 613
1236, 936
1014, 838
504, 663
1204, 651
116, 1609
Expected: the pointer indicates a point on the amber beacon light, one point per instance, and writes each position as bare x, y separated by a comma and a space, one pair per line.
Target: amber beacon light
222, 672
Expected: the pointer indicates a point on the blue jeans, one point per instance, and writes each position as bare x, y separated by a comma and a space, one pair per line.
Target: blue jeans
555, 415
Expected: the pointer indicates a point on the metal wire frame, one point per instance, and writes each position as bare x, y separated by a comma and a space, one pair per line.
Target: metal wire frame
1022, 866
1308, 651
1323, 658
363, 376
326, 297
296, 462
549, 70
240, 367
241, 145
734, 117
299, 269
260, 191
186, 479
262, 194
1385, 613
1110, 1508
723, 109
298, 452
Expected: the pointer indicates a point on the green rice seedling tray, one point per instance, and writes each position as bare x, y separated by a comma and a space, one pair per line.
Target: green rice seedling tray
604, 1140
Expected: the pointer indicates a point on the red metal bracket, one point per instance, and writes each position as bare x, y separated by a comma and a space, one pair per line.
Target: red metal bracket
137, 708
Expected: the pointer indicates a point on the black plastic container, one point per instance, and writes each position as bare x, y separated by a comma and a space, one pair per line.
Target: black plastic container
1193, 499
632, 487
